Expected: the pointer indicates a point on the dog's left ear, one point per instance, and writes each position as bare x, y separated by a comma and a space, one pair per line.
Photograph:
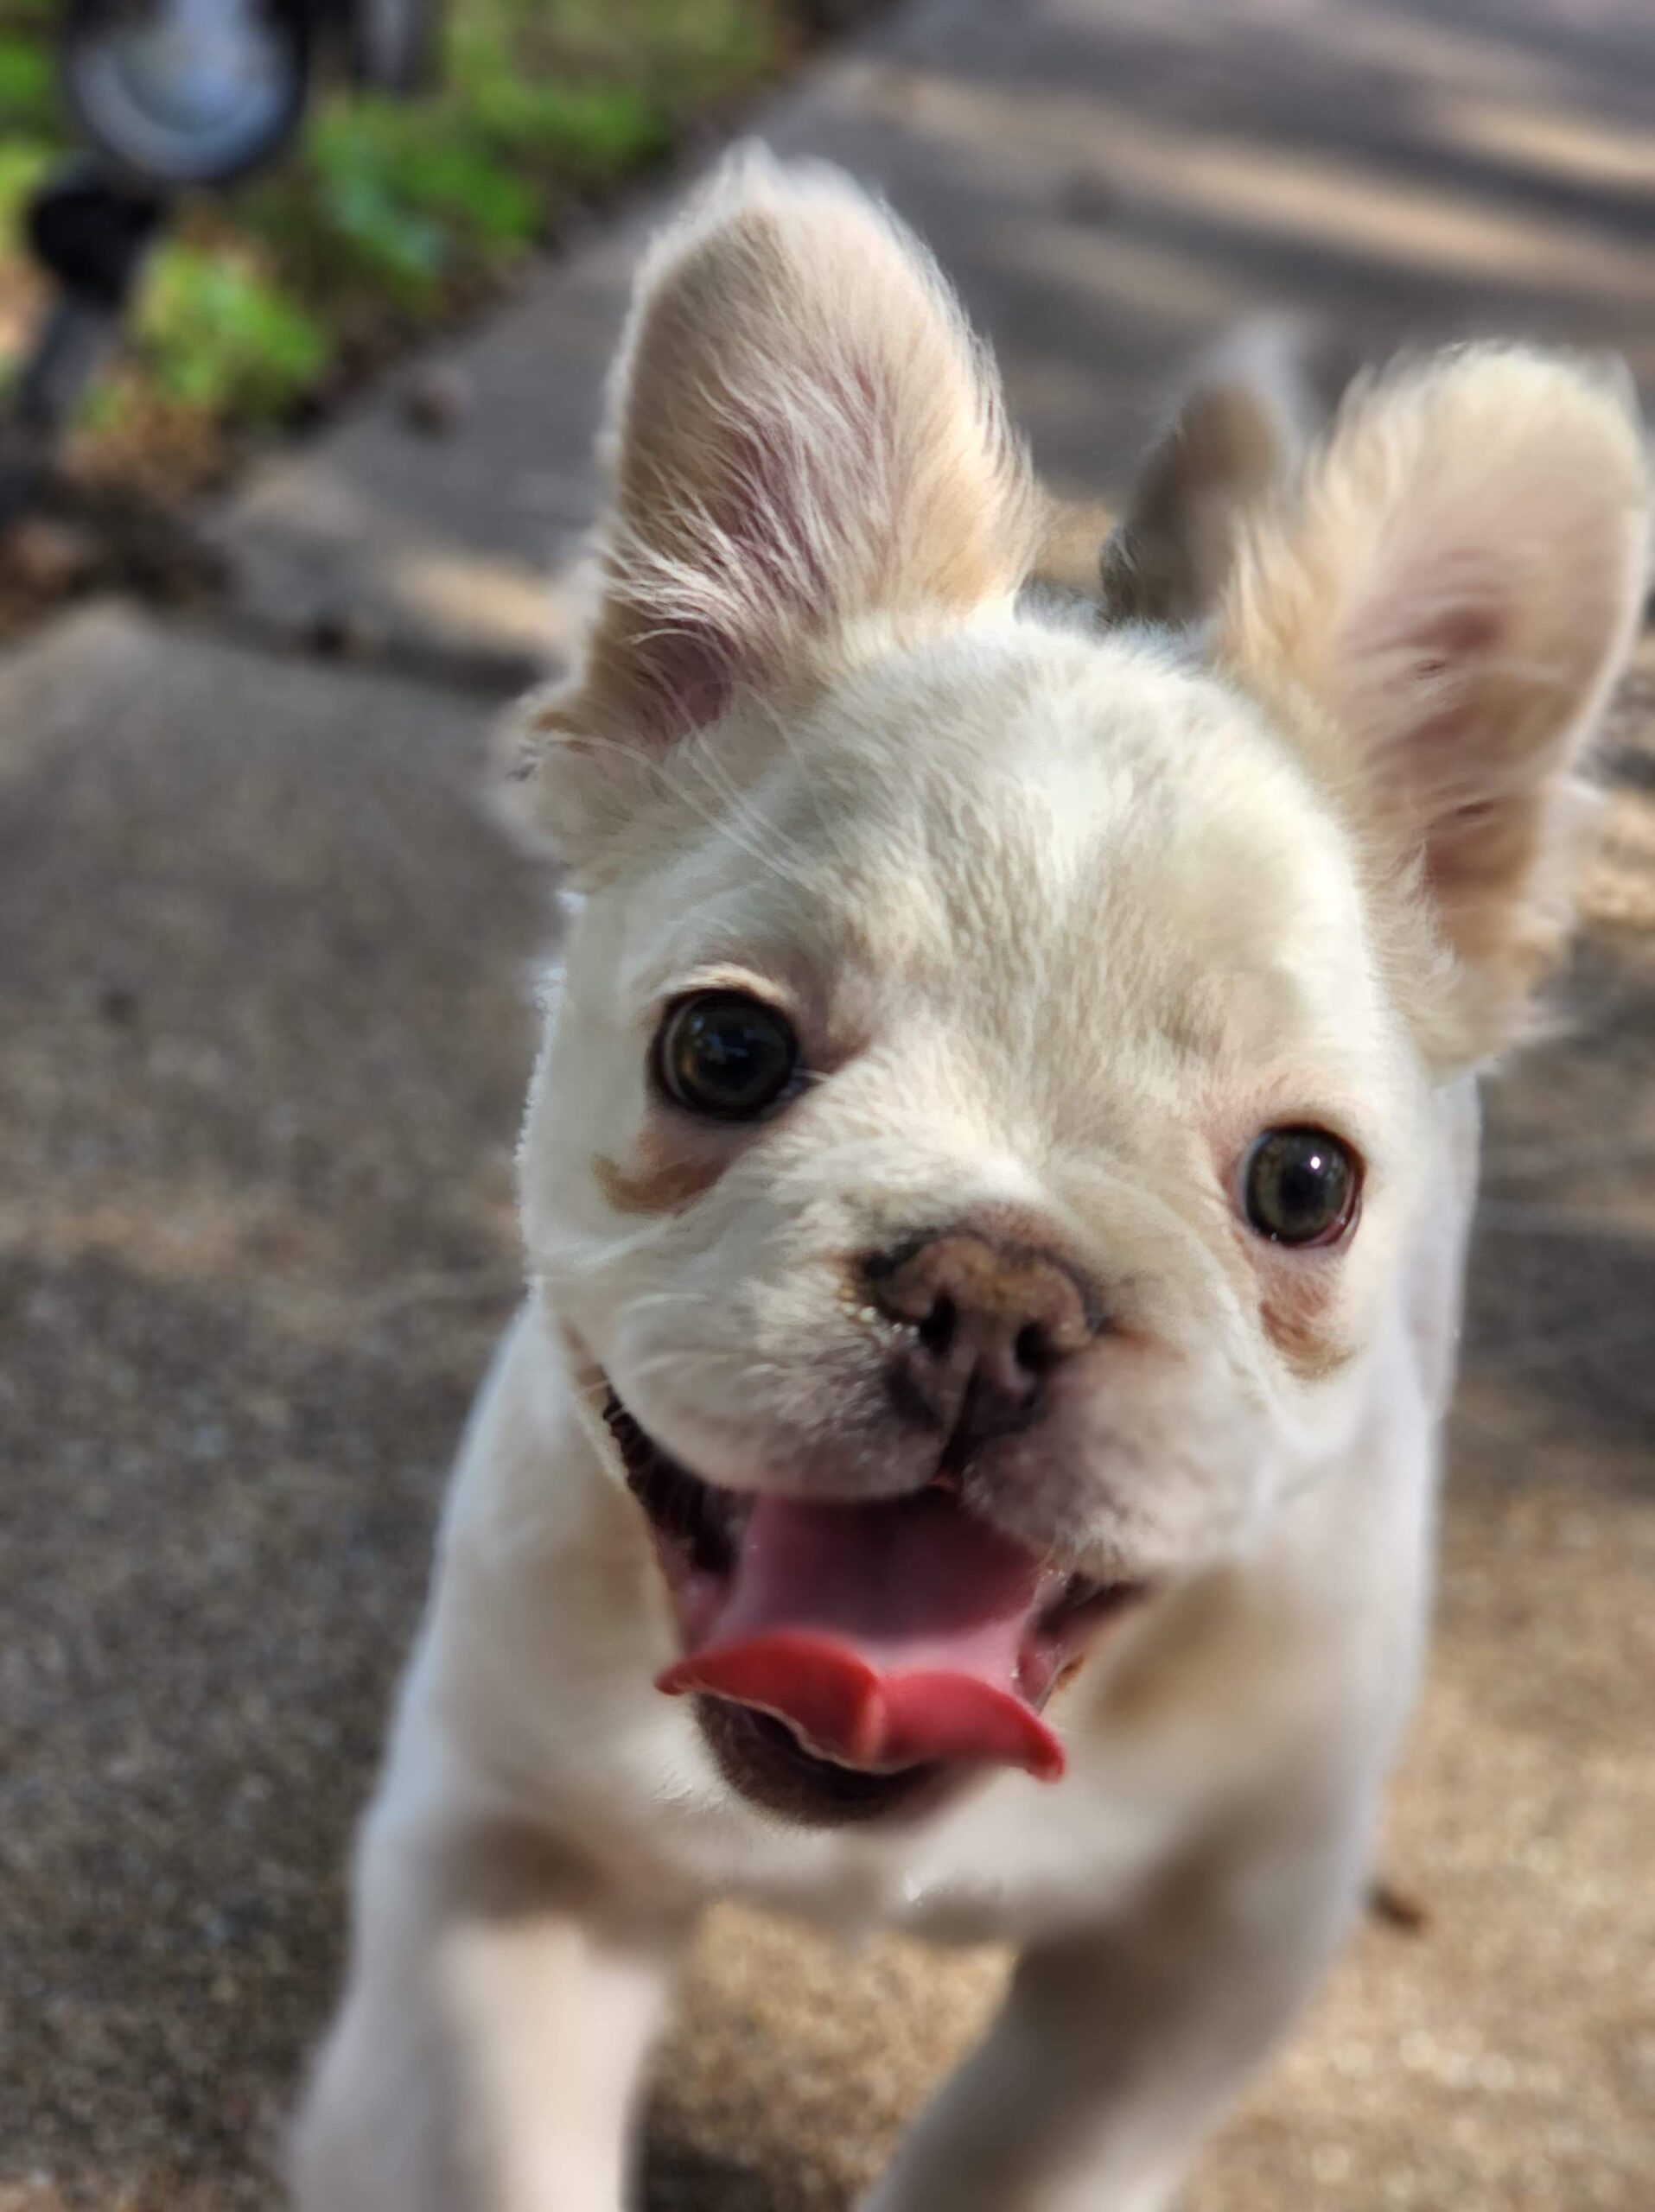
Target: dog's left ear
1437, 615
1235, 441
803, 433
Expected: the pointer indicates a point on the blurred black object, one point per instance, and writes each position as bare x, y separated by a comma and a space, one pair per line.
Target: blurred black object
172, 95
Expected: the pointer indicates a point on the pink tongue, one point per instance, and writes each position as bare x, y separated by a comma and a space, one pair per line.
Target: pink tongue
884, 1635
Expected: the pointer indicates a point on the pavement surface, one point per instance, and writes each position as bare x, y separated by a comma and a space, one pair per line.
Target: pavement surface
1112, 184
265, 997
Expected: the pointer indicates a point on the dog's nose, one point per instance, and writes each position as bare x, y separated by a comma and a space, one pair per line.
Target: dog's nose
983, 1325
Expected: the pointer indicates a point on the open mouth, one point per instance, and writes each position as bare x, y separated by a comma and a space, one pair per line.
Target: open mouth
852, 1661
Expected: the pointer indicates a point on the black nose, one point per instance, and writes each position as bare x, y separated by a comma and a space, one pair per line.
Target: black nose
983, 1325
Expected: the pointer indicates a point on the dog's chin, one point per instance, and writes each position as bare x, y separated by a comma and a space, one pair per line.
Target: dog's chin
855, 1663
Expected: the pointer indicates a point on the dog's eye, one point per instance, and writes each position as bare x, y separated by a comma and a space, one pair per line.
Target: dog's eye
723, 1053
1299, 1186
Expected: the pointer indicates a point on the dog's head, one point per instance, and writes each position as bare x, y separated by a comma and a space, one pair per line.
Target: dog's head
988, 1111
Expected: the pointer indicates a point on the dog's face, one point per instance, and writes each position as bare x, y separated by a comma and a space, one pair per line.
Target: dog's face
988, 1112
1035, 987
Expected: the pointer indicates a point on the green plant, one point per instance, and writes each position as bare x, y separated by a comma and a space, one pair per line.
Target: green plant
217, 334
23, 162
596, 128
427, 162
28, 99
346, 226
384, 216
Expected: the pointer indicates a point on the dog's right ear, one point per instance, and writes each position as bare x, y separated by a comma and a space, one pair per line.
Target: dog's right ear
804, 434
1435, 617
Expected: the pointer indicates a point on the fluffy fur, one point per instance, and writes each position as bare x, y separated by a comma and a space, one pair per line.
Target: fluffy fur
1066, 910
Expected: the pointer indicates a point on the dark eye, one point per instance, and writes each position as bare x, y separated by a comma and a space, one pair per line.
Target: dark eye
721, 1052
1299, 1186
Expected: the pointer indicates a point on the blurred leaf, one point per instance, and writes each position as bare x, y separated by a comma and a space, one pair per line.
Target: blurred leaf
427, 160
107, 405
217, 335
22, 163
28, 85
373, 235
594, 127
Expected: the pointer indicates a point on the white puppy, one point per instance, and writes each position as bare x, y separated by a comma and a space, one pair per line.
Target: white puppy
994, 1188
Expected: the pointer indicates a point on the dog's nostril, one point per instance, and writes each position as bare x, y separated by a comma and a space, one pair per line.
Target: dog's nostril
1032, 1349
937, 1330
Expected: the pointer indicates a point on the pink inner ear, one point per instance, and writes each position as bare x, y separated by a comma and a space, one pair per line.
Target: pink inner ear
790, 500
1441, 743
1458, 633
1442, 665
689, 679
1460, 854
1420, 650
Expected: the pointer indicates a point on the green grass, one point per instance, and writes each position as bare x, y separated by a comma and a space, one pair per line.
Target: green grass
219, 336
27, 91
389, 215
23, 162
28, 125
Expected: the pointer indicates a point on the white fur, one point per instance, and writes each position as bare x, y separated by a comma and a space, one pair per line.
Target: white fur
1065, 916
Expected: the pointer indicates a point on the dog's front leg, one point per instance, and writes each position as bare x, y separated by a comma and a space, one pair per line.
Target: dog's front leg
493, 2035
1118, 2047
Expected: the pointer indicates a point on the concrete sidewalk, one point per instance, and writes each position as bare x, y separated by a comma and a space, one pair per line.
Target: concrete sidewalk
264, 1000
1112, 184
